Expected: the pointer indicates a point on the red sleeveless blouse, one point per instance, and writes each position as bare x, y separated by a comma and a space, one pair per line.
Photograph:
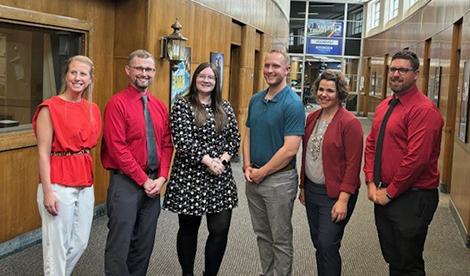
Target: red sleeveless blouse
77, 127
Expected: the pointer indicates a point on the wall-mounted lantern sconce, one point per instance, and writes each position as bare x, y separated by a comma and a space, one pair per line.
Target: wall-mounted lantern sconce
173, 46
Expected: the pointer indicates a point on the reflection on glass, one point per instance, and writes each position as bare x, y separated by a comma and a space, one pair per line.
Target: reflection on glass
31, 65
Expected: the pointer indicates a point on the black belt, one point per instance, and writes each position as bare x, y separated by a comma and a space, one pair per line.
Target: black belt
148, 172
384, 185
286, 168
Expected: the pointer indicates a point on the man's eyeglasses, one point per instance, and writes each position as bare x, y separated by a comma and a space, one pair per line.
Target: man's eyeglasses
204, 77
401, 70
141, 69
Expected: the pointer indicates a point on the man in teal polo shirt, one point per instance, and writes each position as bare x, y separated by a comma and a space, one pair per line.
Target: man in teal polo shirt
274, 129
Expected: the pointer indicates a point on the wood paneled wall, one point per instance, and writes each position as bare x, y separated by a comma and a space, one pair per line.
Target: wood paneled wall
440, 34
460, 189
113, 30
18, 154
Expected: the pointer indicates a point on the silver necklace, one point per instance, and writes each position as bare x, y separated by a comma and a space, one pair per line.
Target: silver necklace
317, 138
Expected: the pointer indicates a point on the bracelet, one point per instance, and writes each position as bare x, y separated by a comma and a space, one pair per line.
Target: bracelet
225, 162
388, 196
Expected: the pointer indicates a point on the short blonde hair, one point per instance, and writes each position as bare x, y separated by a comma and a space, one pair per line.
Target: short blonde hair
283, 53
140, 53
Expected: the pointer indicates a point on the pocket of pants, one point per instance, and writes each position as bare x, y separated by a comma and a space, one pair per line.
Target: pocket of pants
427, 207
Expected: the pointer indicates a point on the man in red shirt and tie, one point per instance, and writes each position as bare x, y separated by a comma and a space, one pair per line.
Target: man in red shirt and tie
401, 167
137, 151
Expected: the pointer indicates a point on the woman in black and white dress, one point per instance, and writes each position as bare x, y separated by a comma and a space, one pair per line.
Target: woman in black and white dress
206, 137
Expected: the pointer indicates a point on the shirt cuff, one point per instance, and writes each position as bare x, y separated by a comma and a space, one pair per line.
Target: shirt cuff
392, 191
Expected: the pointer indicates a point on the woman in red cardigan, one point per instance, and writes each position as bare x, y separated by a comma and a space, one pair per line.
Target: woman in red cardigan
331, 161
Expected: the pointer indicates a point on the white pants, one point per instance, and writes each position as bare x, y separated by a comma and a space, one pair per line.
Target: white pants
65, 236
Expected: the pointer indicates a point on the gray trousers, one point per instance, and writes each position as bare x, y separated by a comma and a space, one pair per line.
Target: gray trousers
271, 204
132, 225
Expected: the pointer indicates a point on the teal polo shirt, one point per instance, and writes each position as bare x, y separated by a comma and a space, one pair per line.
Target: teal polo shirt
270, 121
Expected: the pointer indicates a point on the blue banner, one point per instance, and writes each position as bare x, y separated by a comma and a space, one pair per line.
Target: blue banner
324, 37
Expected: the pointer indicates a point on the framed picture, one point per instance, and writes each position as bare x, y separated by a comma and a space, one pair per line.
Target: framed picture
180, 78
434, 85
437, 85
218, 60
463, 122
431, 87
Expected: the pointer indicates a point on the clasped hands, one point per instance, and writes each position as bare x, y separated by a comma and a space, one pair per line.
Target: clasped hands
152, 187
377, 195
254, 175
215, 165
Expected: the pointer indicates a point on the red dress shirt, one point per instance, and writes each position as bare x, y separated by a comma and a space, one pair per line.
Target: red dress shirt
412, 142
77, 126
341, 150
124, 145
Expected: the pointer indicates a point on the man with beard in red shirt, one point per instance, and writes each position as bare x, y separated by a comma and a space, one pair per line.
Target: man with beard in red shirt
403, 185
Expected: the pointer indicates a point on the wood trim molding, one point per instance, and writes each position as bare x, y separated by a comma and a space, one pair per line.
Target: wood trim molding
34, 18
17, 139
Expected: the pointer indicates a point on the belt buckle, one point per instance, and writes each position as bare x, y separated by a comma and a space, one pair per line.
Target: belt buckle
381, 185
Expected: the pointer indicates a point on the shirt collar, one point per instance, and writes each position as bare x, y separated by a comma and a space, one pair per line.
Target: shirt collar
136, 94
279, 94
405, 96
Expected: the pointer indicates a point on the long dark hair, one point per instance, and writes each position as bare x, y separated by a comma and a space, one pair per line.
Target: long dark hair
216, 100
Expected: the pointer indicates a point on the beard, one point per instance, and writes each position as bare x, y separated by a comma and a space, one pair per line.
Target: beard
141, 85
398, 85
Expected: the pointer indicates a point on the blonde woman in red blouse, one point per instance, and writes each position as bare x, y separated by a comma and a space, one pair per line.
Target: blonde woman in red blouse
67, 126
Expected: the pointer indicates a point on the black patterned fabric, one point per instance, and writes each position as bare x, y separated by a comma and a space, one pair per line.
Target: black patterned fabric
192, 189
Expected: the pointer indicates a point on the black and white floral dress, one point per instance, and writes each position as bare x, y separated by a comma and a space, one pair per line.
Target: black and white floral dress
192, 189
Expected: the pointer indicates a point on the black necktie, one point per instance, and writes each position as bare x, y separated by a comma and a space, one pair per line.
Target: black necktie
380, 143
152, 159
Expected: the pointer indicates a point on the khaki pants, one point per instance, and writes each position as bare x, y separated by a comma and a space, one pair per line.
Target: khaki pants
271, 204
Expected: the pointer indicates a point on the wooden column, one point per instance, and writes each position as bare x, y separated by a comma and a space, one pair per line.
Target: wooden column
426, 66
259, 62
246, 75
365, 106
449, 128
385, 77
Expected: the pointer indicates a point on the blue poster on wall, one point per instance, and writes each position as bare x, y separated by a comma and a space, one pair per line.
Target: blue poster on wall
324, 37
180, 78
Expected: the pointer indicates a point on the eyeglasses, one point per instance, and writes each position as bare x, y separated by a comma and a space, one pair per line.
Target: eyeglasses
141, 69
401, 70
204, 77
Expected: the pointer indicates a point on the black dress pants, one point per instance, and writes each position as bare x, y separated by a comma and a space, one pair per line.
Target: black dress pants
132, 225
218, 225
402, 226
